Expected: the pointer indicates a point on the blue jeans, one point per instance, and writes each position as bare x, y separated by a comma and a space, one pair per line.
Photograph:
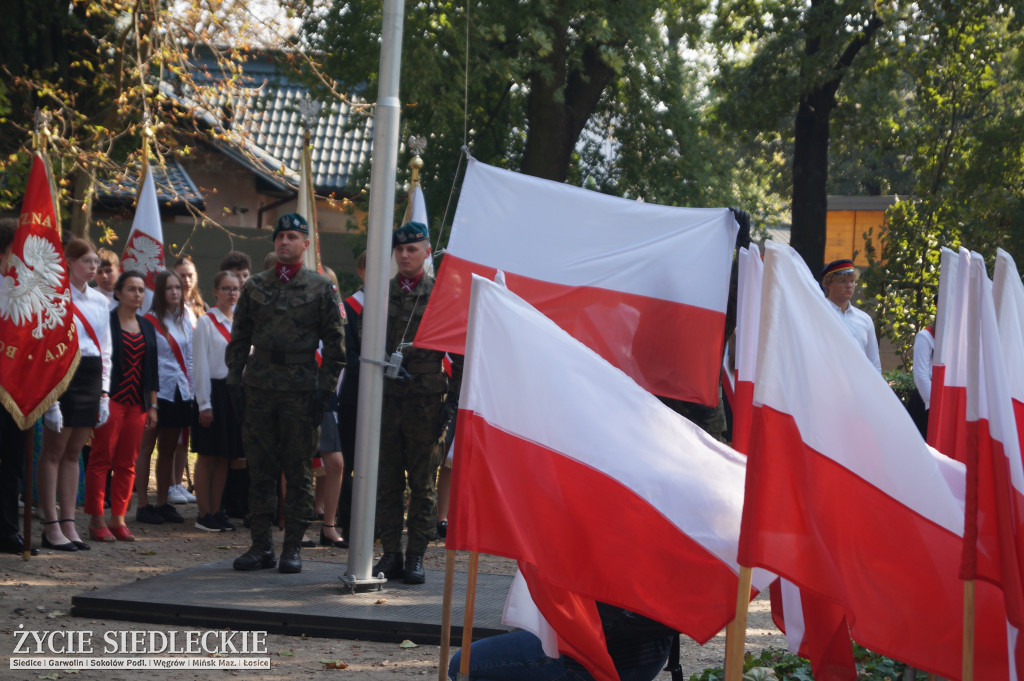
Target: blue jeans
518, 656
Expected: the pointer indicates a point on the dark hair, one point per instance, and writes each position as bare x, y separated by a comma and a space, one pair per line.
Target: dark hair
160, 308
236, 260
224, 274
8, 226
76, 248
125, 276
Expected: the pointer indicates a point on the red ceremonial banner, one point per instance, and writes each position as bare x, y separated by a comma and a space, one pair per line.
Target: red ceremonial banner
38, 343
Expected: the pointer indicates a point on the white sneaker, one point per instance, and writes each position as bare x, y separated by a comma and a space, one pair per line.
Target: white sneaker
176, 495
188, 495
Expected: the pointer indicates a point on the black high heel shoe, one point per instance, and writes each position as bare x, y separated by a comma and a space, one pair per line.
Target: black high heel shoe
70, 546
324, 541
82, 546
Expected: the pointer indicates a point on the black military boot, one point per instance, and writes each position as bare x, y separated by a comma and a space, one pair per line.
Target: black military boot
414, 573
390, 564
260, 556
290, 560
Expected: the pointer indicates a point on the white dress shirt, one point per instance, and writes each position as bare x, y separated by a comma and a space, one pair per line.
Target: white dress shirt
171, 375
94, 307
208, 345
860, 326
924, 347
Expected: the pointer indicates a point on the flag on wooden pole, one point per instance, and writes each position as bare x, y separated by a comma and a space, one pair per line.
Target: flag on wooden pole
307, 208
38, 342
575, 471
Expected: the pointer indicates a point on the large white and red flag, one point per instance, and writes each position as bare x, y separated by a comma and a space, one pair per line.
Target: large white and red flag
38, 343
948, 402
845, 500
144, 249
1008, 295
748, 321
644, 286
595, 488
994, 526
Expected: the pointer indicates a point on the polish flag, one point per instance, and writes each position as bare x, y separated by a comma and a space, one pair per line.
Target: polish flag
1008, 295
948, 404
843, 497
599, 491
815, 627
644, 286
144, 249
995, 473
748, 321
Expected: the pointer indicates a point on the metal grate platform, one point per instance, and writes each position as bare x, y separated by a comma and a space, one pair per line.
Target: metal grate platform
311, 603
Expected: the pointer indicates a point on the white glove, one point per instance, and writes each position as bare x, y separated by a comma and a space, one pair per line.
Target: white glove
104, 412
53, 419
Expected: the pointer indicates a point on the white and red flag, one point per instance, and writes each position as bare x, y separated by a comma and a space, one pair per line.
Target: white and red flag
948, 403
845, 500
644, 286
748, 321
38, 343
994, 526
595, 488
1008, 295
144, 249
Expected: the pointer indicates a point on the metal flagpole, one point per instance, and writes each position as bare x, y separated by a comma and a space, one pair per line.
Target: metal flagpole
378, 254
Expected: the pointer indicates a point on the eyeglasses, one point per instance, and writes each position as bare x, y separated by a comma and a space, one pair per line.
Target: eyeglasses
229, 289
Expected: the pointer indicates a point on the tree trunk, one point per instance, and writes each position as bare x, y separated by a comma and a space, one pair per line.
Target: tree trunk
81, 204
810, 178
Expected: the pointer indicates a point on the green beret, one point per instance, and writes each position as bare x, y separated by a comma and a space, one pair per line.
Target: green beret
409, 233
291, 221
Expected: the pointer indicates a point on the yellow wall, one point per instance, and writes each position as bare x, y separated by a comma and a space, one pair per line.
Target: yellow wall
844, 235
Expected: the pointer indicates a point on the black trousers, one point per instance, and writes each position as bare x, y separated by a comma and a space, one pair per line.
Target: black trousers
12, 470
347, 433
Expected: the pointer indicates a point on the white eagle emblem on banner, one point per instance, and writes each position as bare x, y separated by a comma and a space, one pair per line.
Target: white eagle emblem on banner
32, 292
145, 254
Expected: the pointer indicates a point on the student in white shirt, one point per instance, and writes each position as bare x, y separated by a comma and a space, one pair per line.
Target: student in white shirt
217, 437
85, 404
839, 279
174, 399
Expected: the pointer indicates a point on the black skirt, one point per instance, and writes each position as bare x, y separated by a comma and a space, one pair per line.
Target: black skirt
176, 414
224, 436
81, 402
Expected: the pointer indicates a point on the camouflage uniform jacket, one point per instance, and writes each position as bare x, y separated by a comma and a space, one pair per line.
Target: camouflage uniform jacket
284, 323
423, 365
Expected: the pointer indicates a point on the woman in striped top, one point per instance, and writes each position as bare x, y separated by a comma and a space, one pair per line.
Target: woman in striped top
133, 386
85, 403
218, 435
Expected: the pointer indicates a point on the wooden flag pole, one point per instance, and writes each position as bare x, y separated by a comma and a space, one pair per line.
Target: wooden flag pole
467, 622
968, 646
446, 613
27, 520
736, 632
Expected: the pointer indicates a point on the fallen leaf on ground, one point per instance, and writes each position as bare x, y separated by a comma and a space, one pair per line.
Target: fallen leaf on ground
380, 601
333, 664
407, 644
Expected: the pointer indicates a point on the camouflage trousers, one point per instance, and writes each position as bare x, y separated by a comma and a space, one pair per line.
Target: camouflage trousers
408, 452
279, 437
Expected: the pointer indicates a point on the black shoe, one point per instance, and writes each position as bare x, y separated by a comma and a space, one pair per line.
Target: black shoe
67, 546
442, 529
149, 514
15, 544
414, 573
260, 556
169, 514
290, 563
222, 519
324, 541
82, 546
390, 564
207, 523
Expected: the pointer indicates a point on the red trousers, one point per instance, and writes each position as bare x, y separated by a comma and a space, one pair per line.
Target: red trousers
115, 447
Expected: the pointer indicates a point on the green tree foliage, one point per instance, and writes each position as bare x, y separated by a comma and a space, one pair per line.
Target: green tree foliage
962, 142
561, 89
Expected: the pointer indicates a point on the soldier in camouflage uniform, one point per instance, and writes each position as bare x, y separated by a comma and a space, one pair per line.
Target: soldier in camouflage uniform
417, 409
283, 314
